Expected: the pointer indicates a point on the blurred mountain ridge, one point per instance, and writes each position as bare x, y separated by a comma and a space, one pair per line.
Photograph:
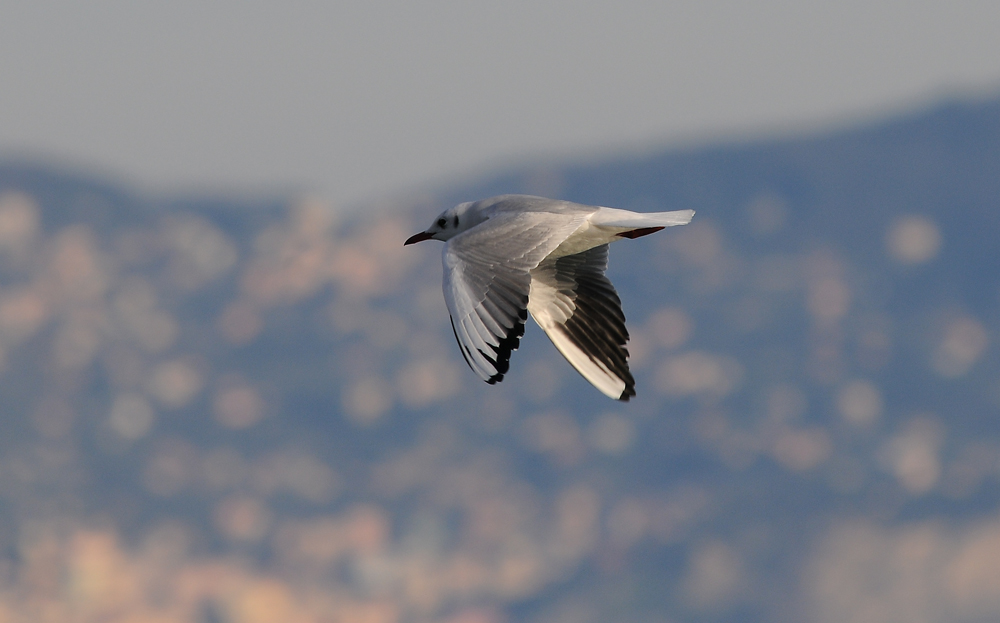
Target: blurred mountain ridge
250, 409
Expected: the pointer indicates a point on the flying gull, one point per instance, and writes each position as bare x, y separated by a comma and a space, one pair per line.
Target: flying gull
511, 255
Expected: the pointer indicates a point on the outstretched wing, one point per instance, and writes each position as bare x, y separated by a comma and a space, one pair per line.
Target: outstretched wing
576, 305
487, 280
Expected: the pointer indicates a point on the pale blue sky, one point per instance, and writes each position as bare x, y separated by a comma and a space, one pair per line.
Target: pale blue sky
361, 100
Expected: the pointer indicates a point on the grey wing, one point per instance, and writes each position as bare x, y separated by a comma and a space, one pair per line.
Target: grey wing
487, 281
580, 311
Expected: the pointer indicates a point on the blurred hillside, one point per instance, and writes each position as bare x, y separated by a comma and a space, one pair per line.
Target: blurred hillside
222, 411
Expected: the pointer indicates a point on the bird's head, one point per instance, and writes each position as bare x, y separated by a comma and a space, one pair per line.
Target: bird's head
450, 223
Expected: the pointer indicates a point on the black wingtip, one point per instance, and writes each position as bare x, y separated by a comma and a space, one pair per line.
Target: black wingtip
501, 359
639, 233
627, 393
501, 353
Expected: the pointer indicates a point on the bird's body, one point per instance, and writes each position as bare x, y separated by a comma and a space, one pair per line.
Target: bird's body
511, 255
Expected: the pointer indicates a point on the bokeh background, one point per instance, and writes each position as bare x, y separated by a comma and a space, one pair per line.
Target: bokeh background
228, 394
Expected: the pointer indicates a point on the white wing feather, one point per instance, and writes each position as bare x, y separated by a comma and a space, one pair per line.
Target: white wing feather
487, 281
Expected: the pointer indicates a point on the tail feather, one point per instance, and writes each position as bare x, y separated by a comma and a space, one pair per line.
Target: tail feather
611, 217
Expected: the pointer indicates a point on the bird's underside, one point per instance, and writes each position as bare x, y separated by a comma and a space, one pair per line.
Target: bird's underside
580, 311
575, 304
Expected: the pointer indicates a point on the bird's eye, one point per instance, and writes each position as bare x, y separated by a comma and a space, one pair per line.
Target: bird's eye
442, 223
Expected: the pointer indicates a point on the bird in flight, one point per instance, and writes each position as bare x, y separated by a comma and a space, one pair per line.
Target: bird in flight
511, 255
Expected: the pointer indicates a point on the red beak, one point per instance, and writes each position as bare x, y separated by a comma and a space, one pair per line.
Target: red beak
418, 238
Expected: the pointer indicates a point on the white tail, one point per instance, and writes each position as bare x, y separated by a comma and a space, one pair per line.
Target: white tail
611, 217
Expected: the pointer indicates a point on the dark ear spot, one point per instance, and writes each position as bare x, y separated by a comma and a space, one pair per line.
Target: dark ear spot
456, 220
